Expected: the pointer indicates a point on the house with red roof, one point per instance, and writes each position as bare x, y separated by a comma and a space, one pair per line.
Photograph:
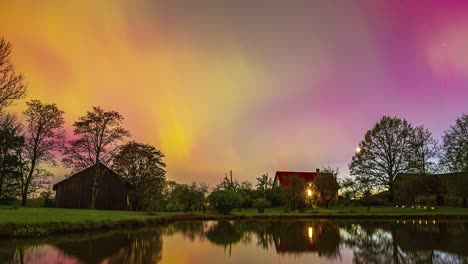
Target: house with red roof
283, 178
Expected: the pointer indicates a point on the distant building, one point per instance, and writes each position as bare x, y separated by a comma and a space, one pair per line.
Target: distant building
449, 189
75, 191
282, 178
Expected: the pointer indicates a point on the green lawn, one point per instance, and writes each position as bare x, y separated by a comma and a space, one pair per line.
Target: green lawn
37, 215
362, 211
37, 221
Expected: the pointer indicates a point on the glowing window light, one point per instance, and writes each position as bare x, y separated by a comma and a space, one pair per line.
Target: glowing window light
310, 232
309, 192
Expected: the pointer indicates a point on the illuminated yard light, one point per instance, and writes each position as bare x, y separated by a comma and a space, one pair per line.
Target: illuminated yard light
358, 150
309, 192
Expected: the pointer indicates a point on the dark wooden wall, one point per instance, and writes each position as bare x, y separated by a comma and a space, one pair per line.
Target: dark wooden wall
75, 192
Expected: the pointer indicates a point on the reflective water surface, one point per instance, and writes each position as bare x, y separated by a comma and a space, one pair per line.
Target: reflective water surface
295, 241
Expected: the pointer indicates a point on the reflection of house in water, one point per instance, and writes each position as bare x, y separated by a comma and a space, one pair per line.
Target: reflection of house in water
94, 249
445, 236
303, 236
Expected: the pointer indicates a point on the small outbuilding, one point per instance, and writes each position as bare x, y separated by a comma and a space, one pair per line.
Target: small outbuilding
75, 191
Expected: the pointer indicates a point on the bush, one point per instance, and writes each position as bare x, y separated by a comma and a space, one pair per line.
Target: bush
224, 201
301, 206
261, 204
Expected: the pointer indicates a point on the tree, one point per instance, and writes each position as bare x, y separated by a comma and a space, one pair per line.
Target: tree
349, 188
455, 146
12, 85
142, 165
264, 183
11, 142
294, 192
228, 183
98, 134
423, 151
44, 136
383, 153
326, 184
224, 201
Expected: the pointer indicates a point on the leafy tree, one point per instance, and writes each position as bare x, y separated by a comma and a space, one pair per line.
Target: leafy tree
11, 142
349, 187
455, 146
383, 153
261, 204
294, 196
228, 183
142, 165
423, 151
166, 195
48, 197
365, 184
97, 136
224, 201
326, 185
264, 183
44, 136
193, 197
12, 84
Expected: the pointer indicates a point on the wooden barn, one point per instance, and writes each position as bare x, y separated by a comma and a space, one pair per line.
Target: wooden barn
75, 191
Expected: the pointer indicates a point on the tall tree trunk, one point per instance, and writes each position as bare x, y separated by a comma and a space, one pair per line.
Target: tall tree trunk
390, 188
28, 180
94, 187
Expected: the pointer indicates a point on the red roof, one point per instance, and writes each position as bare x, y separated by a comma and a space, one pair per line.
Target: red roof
283, 175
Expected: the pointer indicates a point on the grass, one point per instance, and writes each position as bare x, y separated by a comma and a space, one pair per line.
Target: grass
37, 221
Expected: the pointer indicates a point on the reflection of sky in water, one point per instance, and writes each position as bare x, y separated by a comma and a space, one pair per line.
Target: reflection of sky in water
254, 242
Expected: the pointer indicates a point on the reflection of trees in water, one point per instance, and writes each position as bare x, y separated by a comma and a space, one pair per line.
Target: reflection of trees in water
288, 237
223, 233
406, 243
189, 229
143, 246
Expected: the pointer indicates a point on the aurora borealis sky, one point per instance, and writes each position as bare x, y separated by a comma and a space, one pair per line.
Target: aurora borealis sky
252, 86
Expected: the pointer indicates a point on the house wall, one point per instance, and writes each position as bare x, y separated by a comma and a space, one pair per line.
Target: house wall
75, 192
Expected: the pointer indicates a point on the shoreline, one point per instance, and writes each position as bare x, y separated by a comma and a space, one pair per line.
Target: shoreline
28, 230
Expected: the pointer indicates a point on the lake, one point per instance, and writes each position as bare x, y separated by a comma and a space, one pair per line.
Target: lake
285, 241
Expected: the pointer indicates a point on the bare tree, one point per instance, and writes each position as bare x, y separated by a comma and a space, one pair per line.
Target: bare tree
98, 134
44, 136
423, 151
12, 84
383, 153
142, 165
455, 145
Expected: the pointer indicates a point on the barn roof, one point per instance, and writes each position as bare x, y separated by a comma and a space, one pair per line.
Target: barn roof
282, 176
91, 168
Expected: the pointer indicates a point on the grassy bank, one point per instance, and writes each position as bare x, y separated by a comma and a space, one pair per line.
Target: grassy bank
25, 221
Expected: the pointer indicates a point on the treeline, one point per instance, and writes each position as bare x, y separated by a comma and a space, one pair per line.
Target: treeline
28, 148
394, 146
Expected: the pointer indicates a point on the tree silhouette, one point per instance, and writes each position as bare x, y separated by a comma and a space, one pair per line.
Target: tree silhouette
424, 151
44, 136
327, 185
383, 153
11, 142
12, 85
98, 134
455, 145
142, 165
